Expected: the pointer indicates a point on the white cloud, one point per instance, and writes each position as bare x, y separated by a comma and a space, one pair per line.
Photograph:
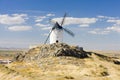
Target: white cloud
114, 28
19, 28
50, 14
20, 15
114, 21
40, 18
100, 16
79, 21
46, 28
84, 25
42, 25
13, 19
116, 25
106, 17
99, 31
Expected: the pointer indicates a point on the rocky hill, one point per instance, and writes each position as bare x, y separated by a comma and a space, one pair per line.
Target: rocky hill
61, 61
53, 50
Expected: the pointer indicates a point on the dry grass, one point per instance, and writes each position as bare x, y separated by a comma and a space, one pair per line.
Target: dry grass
9, 74
63, 68
112, 53
68, 68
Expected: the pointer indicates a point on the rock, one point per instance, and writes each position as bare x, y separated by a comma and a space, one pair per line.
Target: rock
116, 62
19, 57
53, 50
58, 50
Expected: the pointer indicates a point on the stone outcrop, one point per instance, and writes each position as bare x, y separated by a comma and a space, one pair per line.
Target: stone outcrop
59, 50
52, 50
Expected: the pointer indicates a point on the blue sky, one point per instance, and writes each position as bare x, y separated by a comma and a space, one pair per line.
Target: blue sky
96, 23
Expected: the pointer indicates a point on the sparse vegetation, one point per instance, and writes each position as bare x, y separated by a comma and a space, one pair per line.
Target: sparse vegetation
93, 67
69, 77
104, 73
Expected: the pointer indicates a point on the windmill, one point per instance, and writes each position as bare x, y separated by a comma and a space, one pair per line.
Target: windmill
56, 33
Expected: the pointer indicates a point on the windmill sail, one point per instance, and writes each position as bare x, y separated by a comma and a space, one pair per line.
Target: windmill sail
48, 37
69, 32
63, 20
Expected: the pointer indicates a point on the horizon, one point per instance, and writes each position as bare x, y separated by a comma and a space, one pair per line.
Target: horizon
96, 24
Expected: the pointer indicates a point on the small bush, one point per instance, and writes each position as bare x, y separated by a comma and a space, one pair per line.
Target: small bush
104, 73
69, 77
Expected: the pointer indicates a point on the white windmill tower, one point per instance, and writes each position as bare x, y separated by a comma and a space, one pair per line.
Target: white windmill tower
56, 34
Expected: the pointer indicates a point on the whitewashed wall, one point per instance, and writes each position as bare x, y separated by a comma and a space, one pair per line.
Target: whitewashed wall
57, 34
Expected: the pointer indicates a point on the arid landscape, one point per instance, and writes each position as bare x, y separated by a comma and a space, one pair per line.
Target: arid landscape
59, 40
61, 62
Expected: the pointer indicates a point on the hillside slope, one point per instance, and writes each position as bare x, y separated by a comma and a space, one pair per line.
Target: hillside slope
64, 62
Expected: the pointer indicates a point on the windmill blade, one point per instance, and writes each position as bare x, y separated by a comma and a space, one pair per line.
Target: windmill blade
69, 32
47, 37
63, 20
